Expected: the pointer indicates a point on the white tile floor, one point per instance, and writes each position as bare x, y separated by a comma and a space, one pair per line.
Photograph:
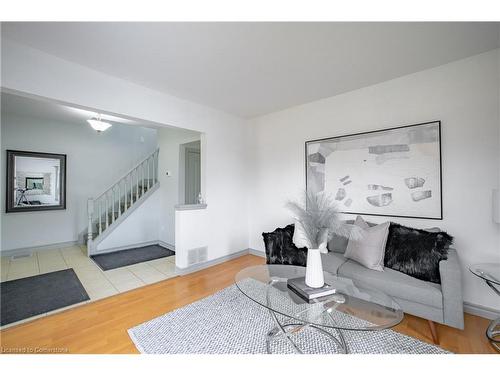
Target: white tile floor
98, 284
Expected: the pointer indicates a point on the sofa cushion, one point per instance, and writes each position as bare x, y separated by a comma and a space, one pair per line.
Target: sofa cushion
338, 244
332, 262
368, 250
416, 252
395, 284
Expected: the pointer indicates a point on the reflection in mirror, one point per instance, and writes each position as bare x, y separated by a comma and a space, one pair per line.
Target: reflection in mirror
35, 181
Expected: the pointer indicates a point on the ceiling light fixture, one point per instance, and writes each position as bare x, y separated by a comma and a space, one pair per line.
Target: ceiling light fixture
99, 125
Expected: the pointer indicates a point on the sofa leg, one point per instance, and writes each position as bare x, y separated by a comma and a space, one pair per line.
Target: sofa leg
434, 334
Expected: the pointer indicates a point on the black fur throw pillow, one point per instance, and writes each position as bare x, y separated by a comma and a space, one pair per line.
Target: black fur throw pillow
280, 248
416, 252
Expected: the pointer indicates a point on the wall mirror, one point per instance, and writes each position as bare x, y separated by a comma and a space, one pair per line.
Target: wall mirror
36, 181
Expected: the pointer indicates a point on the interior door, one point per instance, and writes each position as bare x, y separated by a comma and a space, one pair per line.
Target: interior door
192, 175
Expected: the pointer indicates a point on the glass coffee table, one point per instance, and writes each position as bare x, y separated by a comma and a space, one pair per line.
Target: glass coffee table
490, 273
355, 306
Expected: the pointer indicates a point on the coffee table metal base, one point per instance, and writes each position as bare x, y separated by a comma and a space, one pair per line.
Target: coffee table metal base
288, 330
493, 330
493, 333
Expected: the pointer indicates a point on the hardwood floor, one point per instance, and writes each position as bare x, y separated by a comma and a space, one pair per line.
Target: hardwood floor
101, 326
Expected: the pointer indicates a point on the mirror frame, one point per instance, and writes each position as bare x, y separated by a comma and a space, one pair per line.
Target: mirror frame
9, 204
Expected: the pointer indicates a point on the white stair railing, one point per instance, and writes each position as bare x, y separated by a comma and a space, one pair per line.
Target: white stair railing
121, 196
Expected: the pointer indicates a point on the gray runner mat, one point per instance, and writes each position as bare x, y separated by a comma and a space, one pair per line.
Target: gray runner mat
128, 257
30, 296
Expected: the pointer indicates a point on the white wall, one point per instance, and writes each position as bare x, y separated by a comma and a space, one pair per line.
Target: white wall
226, 141
94, 162
185, 222
140, 227
463, 95
169, 142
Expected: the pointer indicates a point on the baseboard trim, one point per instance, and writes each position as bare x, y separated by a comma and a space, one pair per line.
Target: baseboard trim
166, 245
482, 311
31, 249
199, 266
257, 253
61, 245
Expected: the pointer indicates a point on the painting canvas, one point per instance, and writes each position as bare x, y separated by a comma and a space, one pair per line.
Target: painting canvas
392, 172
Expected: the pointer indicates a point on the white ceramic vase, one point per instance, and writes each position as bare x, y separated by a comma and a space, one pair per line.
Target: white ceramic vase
323, 240
314, 269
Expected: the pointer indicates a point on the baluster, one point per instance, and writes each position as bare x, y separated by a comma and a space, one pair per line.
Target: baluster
90, 213
147, 163
100, 214
106, 205
112, 206
155, 167
142, 176
115, 200
125, 183
131, 188
119, 200
137, 186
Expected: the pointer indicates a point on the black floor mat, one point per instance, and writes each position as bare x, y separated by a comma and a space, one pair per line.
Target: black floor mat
30, 296
128, 257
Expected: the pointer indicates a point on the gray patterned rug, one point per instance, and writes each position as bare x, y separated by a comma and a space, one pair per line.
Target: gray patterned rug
230, 323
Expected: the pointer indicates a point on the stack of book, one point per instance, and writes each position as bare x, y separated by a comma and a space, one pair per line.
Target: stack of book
298, 285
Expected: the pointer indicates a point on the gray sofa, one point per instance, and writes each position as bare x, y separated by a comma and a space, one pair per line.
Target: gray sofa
434, 302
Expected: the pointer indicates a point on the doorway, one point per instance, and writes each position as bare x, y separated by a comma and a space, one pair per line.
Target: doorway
192, 172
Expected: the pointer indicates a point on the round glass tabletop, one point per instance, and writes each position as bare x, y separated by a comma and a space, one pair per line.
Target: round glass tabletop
487, 271
354, 306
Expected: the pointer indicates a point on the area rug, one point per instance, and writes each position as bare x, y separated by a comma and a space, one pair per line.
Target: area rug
230, 323
128, 257
30, 296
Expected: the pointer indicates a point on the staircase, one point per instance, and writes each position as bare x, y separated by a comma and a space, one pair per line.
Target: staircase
110, 208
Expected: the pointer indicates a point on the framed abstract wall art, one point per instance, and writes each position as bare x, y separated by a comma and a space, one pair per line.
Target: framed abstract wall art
391, 172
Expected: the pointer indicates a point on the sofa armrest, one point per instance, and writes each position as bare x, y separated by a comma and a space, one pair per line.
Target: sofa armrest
451, 287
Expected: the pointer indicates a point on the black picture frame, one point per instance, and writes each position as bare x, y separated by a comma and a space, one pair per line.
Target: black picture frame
438, 122
10, 206
28, 179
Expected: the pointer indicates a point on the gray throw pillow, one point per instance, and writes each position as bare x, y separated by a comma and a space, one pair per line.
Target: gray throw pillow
338, 244
369, 250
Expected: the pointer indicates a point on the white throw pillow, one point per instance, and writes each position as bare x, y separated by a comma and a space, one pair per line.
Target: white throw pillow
369, 250
298, 235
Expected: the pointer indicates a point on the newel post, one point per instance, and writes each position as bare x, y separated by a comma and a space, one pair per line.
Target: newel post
90, 213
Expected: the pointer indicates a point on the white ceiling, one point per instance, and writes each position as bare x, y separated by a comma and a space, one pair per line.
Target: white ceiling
250, 69
20, 105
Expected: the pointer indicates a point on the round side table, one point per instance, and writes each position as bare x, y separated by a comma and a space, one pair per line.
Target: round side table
490, 273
